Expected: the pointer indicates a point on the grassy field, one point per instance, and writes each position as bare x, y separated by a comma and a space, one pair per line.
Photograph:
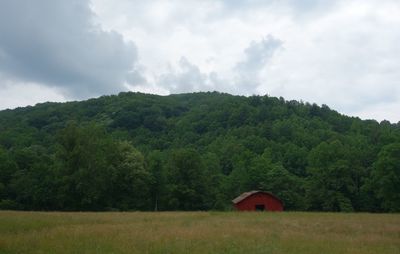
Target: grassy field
198, 232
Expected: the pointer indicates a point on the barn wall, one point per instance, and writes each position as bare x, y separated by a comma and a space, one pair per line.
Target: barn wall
270, 203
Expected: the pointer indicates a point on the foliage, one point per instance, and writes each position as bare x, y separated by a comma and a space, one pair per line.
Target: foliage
195, 151
386, 177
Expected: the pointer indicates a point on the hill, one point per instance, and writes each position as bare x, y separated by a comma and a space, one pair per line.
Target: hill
197, 151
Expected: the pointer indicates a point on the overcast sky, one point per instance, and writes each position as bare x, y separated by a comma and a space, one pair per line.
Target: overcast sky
343, 53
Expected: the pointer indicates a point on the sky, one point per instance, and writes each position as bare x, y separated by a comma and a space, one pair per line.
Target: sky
342, 53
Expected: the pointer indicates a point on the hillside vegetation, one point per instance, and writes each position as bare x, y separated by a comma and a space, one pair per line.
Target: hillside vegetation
195, 151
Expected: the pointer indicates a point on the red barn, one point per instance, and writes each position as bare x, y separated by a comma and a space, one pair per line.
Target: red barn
258, 201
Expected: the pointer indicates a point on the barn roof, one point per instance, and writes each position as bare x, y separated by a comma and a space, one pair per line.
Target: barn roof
248, 194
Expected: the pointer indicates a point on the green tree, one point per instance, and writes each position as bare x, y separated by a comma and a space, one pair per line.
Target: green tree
273, 177
98, 172
386, 177
34, 184
130, 179
330, 184
187, 180
156, 165
7, 168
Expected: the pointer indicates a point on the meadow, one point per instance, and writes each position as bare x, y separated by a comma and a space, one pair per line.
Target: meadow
198, 232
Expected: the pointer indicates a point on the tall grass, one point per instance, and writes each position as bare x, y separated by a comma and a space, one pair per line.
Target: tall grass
198, 232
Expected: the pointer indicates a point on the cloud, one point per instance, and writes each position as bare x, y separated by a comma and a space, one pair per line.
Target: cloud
56, 43
257, 56
26, 93
186, 77
347, 59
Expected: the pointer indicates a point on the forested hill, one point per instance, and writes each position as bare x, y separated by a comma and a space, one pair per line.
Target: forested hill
194, 152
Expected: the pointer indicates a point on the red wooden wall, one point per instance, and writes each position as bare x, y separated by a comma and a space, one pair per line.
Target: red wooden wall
270, 202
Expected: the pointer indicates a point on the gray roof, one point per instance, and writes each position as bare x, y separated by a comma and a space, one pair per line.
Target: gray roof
248, 194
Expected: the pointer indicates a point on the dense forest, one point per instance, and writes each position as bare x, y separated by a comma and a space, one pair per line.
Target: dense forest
197, 151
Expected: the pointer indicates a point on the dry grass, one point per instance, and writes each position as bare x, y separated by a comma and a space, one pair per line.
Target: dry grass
198, 232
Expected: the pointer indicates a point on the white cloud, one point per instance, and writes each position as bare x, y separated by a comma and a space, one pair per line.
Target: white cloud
257, 56
348, 60
19, 94
185, 78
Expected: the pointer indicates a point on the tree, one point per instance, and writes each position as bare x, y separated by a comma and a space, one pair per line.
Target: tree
330, 184
215, 140
100, 173
156, 166
34, 184
187, 180
386, 177
273, 177
7, 168
130, 180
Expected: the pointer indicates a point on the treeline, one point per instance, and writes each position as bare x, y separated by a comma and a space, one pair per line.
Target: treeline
195, 152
